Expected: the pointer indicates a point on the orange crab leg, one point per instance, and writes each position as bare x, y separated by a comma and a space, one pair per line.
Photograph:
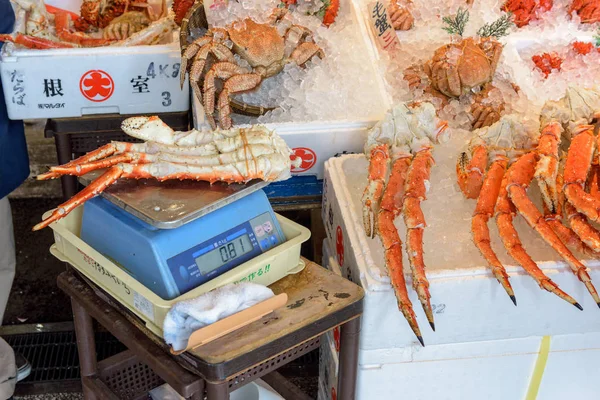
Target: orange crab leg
519, 177
391, 206
414, 220
470, 172
546, 169
92, 190
594, 182
479, 224
378, 168
100, 153
578, 163
33, 42
82, 169
505, 212
62, 23
566, 235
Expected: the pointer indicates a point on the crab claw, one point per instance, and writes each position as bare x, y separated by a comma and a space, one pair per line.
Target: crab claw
148, 129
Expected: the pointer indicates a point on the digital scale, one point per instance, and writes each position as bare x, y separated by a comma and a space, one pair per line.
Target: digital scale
175, 236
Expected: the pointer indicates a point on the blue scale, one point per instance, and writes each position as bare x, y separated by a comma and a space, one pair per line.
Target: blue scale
173, 238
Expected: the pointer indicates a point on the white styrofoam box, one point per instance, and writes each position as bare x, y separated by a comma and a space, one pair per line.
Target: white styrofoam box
469, 305
475, 370
316, 142
328, 369
74, 82
496, 370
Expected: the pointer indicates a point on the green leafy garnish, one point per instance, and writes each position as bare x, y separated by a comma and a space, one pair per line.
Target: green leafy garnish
597, 39
455, 24
497, 28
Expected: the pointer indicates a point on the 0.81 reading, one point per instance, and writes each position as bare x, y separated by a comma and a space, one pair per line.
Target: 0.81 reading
224, 254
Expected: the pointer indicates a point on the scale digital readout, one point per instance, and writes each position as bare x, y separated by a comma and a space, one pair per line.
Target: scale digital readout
221, 253
171, 262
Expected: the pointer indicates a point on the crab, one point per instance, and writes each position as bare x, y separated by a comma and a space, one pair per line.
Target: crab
503, 190
483, 112
100, 13
39, 29
232, 156
570, 117
525, 11
260, 44
404, 139
588, 10
180, 8
400, 15
456, 68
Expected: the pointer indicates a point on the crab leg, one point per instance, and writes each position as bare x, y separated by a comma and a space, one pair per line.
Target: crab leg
418, 176
378, 168
566, 235
546, 169
594, 181
189, 53
62, 22
470, 171
505, 212
479, 224
391, 206
519, 177
243, 153
92, 190
224, 71
235, 84
260, 167
33, 42
577, 167
101, 152
305, 51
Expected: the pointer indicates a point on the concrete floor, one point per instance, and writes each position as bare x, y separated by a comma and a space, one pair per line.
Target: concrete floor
35, 298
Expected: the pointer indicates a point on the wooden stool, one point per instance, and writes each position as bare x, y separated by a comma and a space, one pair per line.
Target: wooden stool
318, 301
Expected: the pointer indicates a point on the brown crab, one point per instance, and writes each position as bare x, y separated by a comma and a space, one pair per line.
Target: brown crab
260, 45
456, 68
400, 15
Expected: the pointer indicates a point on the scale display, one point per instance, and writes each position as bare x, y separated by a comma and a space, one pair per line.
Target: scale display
223, 252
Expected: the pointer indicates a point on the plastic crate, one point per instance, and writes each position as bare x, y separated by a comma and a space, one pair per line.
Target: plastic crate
127, 377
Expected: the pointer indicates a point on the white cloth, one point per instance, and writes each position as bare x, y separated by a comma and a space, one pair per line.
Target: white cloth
8, 369
188, 316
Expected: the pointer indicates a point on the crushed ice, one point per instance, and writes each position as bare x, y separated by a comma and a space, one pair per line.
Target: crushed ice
342, 86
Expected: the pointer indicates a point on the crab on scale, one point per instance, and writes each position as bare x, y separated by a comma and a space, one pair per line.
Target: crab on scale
501, 187
260, 44
404, 140
232, 156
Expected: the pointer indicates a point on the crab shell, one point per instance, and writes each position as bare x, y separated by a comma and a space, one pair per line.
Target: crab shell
259, 44
473, 65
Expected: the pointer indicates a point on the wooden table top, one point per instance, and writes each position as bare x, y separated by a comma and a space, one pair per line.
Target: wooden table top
313, 294
318, 300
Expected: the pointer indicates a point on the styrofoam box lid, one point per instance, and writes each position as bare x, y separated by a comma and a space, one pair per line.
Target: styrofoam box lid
469, 303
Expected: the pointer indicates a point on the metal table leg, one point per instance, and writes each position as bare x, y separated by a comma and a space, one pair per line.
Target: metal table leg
349, 336
217, 391
86, 345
